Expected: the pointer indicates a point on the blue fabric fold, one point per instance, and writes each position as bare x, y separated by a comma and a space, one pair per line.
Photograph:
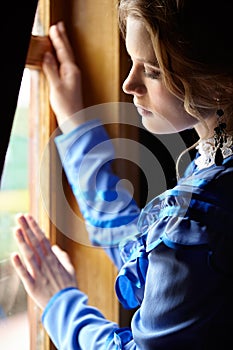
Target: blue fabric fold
131, 279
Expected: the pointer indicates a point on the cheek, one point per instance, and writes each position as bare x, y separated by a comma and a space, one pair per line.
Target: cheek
165, 104
169, 113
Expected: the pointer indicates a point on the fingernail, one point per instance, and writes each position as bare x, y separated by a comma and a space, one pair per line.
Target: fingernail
19, 233
29, 217
47, 57
19, 216
61, 26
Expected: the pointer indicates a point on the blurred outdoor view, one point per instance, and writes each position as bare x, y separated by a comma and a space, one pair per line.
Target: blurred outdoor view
14, 199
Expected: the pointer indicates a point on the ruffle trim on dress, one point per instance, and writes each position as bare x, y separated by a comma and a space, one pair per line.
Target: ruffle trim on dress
163, 223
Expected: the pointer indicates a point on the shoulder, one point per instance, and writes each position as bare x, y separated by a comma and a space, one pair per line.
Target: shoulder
200, 203
214, 183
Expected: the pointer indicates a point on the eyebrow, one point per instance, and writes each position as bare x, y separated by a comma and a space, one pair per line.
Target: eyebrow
154, 63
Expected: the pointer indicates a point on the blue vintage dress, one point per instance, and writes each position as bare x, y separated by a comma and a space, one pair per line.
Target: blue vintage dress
174, 257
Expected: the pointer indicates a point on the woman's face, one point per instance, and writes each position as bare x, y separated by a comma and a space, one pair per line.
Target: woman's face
161, 111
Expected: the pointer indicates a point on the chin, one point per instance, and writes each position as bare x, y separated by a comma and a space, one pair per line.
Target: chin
158, 128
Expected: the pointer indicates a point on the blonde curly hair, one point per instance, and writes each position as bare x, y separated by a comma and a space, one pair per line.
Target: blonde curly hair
192, 42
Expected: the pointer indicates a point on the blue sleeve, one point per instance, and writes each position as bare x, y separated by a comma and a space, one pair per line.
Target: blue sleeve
73, 325
109, 210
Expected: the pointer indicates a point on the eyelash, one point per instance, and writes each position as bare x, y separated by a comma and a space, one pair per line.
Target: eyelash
153, 74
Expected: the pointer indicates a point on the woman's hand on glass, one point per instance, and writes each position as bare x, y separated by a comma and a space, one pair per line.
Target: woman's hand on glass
43, 269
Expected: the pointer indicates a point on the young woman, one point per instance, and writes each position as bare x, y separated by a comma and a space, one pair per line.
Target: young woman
177, 273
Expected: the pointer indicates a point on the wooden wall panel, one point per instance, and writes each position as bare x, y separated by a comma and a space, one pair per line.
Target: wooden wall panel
93, 31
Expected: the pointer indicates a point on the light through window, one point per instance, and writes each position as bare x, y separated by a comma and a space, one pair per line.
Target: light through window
14, 199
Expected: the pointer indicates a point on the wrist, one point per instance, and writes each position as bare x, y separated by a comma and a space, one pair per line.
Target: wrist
53, 299
70, 123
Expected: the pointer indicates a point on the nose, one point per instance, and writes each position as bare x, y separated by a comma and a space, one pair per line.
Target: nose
134, 84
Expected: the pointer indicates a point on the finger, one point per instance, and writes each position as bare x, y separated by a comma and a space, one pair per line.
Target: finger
64, 258
39, 234
49, 261
35, 240
50, 69
31, 260
61, 43
50, 66
38, 266
22, 272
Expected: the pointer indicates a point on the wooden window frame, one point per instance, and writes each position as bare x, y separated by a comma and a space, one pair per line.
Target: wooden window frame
113, 48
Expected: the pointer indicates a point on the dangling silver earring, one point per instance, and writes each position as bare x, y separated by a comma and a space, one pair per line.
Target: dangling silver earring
220, 136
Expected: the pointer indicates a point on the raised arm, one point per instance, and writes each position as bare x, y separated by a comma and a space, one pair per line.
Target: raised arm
87, 152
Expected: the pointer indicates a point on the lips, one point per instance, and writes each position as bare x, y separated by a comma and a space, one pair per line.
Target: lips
143, 111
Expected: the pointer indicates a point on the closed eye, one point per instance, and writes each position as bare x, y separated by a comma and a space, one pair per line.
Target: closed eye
152, 73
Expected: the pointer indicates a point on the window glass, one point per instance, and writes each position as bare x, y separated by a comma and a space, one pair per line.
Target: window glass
14, 199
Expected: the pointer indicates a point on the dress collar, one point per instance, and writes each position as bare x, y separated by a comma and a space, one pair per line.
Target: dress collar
207, 150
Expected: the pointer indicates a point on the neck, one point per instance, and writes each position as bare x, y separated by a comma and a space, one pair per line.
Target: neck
206, 130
